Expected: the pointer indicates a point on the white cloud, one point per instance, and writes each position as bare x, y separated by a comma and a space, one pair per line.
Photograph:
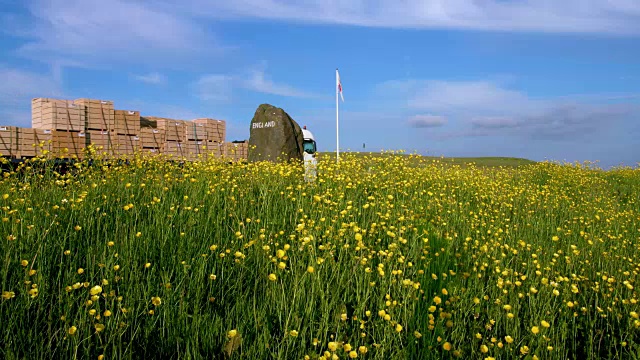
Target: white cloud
445, 95
593, 16
153, 78
483, 108
258, 81
219, 87
18, 87
494, 122
95, 33
214, 88
16, 84
427, 121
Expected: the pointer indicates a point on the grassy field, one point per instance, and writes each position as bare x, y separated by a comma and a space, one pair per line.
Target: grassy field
382, 257
424, 160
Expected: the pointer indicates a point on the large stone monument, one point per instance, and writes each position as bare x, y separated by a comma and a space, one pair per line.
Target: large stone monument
274, 136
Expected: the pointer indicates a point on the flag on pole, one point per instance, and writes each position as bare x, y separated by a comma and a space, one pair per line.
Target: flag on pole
338, 90
339, 85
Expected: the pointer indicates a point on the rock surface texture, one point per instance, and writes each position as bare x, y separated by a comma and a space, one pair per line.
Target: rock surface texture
274, 136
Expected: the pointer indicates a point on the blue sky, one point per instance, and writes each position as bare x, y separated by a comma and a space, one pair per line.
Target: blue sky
557, 80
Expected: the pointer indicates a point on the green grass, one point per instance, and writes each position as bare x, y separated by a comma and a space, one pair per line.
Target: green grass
459, 161
412, 258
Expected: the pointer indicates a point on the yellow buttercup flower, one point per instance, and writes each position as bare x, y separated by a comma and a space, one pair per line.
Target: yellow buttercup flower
545, 324
508, 339
333, 346
95, 290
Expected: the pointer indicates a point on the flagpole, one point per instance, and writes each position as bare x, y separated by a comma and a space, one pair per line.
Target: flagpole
337, 129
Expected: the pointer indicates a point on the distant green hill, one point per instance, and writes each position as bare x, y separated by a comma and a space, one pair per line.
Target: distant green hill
460, 161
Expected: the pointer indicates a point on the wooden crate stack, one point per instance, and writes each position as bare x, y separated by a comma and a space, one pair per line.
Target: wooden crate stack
214, 135
66, 128
215, 129
236, 151
164, 136
19, 142
33, 142
197, 135
152, 140
101, 141
99, 114
174, 130
127, 122
126, 146
215, 150
64, 119
175, 150
55, 114
196, 131
68, 144
9, 143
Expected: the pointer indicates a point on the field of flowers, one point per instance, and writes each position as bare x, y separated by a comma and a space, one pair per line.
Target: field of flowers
392, 257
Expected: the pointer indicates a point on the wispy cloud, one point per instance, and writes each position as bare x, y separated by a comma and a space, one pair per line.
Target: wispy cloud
494, 122
259, 81
95, 33
559, 121
17, 84
153, 78
461, 95
214, 87
18, 87
577, 16
426, 121
220, 87
483, 108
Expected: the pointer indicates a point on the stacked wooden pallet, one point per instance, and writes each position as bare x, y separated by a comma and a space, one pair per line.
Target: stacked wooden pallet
213, 130
56, 114
127, 122
181, 139
8, 140
33, 142
89, 127
236, 151
99, 114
